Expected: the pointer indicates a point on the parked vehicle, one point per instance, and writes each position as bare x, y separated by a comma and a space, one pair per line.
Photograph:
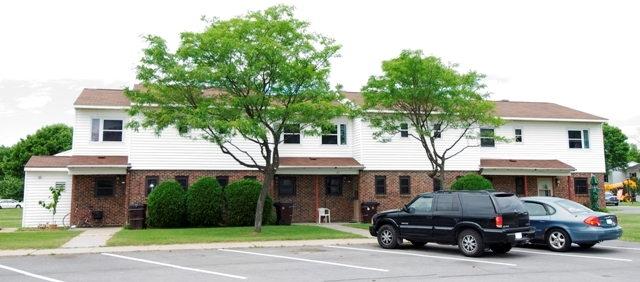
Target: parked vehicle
560, 222
473, 220
611, 199
10, 204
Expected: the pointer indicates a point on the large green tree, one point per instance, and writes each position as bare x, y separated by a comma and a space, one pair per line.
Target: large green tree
634, 153
239, 84
432, 98
616, 148
47, 141
4, 151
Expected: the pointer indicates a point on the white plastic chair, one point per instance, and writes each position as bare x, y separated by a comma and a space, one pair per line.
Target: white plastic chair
324, 212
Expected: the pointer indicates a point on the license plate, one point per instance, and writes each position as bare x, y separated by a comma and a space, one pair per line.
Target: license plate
609, 221
519, 235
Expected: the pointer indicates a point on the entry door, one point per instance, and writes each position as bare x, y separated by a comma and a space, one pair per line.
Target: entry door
545, 187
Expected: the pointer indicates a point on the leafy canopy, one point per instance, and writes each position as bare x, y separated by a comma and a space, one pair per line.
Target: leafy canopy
429, 96
616, 148
246, 78
47, 141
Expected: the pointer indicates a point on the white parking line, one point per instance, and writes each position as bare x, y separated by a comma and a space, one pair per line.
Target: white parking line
29, 274
307, 260
419, 255
176, 266
569, 255
624, 248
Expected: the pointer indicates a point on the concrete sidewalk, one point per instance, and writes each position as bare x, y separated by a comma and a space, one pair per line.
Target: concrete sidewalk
93, 240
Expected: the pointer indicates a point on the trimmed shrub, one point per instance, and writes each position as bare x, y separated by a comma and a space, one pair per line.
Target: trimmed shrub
166, 205
242, 196
472, 182
204, 203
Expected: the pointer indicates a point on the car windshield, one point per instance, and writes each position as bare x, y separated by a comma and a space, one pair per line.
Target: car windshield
509, 203
572, 206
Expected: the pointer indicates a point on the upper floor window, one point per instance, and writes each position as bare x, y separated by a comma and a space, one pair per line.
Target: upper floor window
518, 133
405, 184
632, 175
334, 138
111, 130
486, 137
334, 185
578, 139
291, 134
381, 185
436, 131
404, 130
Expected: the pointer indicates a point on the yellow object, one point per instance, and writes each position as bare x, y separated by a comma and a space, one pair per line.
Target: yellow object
622, 193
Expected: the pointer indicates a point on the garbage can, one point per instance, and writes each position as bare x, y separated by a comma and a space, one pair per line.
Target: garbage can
137, 215
284, 212
368, 209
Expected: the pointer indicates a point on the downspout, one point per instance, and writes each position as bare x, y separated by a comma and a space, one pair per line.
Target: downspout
317, 199
526, 188
569, 187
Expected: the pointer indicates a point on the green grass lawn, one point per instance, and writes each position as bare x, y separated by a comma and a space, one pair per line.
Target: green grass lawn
630, 224
224, 234
10, 218
364, 226
35, 239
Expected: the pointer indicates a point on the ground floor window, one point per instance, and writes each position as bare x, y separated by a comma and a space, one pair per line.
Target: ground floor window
223, 181
287, 186
151, 183
405, 185
580, 186
105, 187
334, 185
381, 185
184, 181
519, 185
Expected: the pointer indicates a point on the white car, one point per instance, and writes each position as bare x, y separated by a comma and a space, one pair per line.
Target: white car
10, 204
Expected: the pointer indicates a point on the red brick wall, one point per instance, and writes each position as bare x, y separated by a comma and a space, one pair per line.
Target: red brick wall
114, 208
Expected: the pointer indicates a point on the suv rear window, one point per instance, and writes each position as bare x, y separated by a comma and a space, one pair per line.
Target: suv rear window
477, 203
509, 202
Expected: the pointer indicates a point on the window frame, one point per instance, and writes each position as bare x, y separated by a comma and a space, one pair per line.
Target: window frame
404, 130
98, 130
519, 184
380, 188
147, 179
97, 188
179, 178
328, 184
406, 187
437, 184
224, 178
583, 141
487, 142
289, 133
437, 131
339, 133
583, 189
280, 186
518, 136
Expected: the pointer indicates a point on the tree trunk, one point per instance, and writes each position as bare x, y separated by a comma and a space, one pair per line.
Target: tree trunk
266, 184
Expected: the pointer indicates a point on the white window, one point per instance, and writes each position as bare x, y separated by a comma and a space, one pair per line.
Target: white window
436, 131
111, 130
486, 137
291, 134
518, 133
578, 139
404, 130
632, 175
334, 138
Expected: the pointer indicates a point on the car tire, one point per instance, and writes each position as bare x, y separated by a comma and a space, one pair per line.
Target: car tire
586, 246
618, 203
417, 243
501, 248
388, 237
18, 207
470, 243
558, 240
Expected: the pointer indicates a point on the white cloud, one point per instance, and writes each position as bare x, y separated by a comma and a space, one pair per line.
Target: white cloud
33, 101
70, 112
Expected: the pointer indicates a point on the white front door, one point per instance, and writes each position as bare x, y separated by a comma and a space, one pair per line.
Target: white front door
545, 186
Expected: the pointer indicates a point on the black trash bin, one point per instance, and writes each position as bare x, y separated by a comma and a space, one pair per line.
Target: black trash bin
284, 212
137, 215
368, 209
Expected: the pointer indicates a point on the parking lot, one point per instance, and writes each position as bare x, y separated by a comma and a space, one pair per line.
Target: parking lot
615, 260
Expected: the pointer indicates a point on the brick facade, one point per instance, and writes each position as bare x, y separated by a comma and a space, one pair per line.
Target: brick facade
310, 191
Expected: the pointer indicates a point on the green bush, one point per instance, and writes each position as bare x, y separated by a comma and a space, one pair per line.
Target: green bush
166, 205
204, 203
11, 188
472, 182
242, 196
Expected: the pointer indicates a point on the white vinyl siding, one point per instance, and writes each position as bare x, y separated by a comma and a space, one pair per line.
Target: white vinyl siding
84, 132
36, 188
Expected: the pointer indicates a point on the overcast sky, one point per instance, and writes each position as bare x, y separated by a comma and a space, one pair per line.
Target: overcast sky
580, 54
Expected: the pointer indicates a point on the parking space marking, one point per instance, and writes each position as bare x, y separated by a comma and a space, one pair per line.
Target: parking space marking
176, 266
419, 255
306, 260
570, 255
624, 248
29, 274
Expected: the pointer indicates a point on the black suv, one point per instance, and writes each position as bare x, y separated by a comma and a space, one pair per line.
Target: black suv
473, 220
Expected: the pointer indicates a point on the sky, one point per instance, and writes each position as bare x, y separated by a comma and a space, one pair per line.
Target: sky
580, 54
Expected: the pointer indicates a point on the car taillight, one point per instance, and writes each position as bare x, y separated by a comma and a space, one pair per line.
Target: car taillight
592, 220
499, 221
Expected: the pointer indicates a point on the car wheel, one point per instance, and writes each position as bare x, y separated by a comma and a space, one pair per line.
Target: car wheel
500, 248
417, 243
18, 207
618, 203
558, 240
388, 237
470, 243
586, 246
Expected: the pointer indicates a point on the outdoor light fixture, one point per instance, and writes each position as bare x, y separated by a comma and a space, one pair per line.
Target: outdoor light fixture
557, 182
